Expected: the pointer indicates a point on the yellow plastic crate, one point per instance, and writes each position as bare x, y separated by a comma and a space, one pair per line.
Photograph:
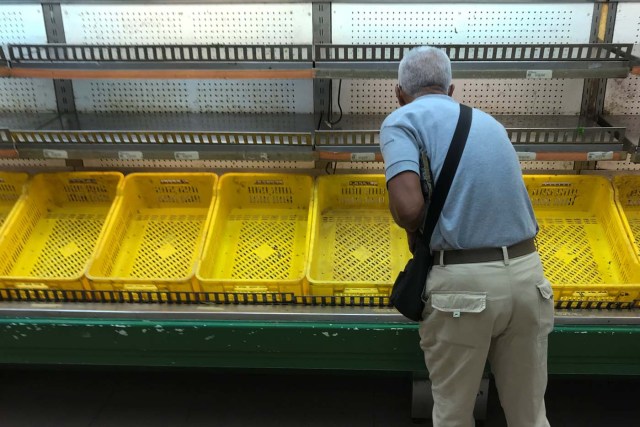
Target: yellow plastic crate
155, 235
584, 249
258, 240
356, 247
627, 191
11, 185
53, 229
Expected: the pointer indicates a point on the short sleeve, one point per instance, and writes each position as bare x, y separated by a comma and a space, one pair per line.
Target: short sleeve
399, 151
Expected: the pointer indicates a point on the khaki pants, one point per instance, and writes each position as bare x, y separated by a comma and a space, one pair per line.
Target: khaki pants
502, 311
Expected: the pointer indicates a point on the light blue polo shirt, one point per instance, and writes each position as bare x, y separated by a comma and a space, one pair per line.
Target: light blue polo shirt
488, 204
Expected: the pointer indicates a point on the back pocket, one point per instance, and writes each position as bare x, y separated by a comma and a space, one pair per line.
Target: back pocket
458, 302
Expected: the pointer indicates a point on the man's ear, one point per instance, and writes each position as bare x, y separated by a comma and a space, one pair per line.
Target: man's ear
400, 97
451, 89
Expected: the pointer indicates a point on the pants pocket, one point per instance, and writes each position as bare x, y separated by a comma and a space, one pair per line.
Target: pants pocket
546, 308
458, 302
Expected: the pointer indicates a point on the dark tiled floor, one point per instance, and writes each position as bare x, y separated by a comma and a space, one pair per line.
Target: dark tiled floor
195, 398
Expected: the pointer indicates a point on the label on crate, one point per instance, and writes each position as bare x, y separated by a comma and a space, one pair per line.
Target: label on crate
187, 155
539, 74
55, 154
599, 155
130, 155
525, 156
363, 157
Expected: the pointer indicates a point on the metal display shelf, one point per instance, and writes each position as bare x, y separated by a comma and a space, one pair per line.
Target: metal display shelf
597, 60
276, 137
72, 61
632, 125
165, 137
568, 138
259, 336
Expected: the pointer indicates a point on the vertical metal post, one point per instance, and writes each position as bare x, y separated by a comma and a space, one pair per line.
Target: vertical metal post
321, 34
52, 13
602, 26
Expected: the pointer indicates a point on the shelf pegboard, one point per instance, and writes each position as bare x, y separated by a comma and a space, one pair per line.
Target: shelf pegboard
460, 23
27, 95
197, 96
188, 24
623, 95
506, 96
24, 24
21, 24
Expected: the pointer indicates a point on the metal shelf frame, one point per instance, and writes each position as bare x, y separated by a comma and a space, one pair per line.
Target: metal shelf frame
72, 61
593, 60
321, 61
571, 144
175, 145
113, 136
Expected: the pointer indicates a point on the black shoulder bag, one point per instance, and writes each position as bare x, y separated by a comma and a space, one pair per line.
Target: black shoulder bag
408, 289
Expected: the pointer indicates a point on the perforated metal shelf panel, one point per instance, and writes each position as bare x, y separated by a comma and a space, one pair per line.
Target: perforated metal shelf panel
25, 120
466, 23
28, 95
195, 122
460, 23
24, 24
506, 96
21, 24
623, 95
188, 24
198, 96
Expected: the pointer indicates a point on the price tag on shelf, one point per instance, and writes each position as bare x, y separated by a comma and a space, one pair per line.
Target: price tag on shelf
539, 74
55, 154
130, 155
525, 156
599, 155
363, 157
187, 155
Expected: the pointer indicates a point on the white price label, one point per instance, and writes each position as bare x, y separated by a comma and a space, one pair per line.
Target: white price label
55, 154
187, 155
363, 157
599, 155
539, 74
130, 155
525, 156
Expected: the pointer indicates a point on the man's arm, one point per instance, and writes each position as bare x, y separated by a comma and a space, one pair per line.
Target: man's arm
406, 201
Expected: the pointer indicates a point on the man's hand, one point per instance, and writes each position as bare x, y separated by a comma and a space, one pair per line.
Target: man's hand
406, 201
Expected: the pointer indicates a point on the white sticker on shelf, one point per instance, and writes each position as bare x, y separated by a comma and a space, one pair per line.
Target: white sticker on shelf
539, 74
363, 157
187, 155
525, 156
130, 155
599, 155
55, 154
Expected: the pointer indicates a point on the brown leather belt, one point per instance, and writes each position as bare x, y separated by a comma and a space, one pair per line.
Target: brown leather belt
470, 256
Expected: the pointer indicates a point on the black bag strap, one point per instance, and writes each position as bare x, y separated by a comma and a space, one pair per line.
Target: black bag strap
447, 173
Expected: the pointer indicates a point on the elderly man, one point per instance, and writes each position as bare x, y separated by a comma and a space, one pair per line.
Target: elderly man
493, 300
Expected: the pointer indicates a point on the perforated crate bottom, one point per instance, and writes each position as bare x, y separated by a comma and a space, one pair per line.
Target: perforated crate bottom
159, 246
60, 244
260, 245
575, 250
358, 246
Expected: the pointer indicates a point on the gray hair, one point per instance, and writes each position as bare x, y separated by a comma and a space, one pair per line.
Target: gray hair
422, 67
